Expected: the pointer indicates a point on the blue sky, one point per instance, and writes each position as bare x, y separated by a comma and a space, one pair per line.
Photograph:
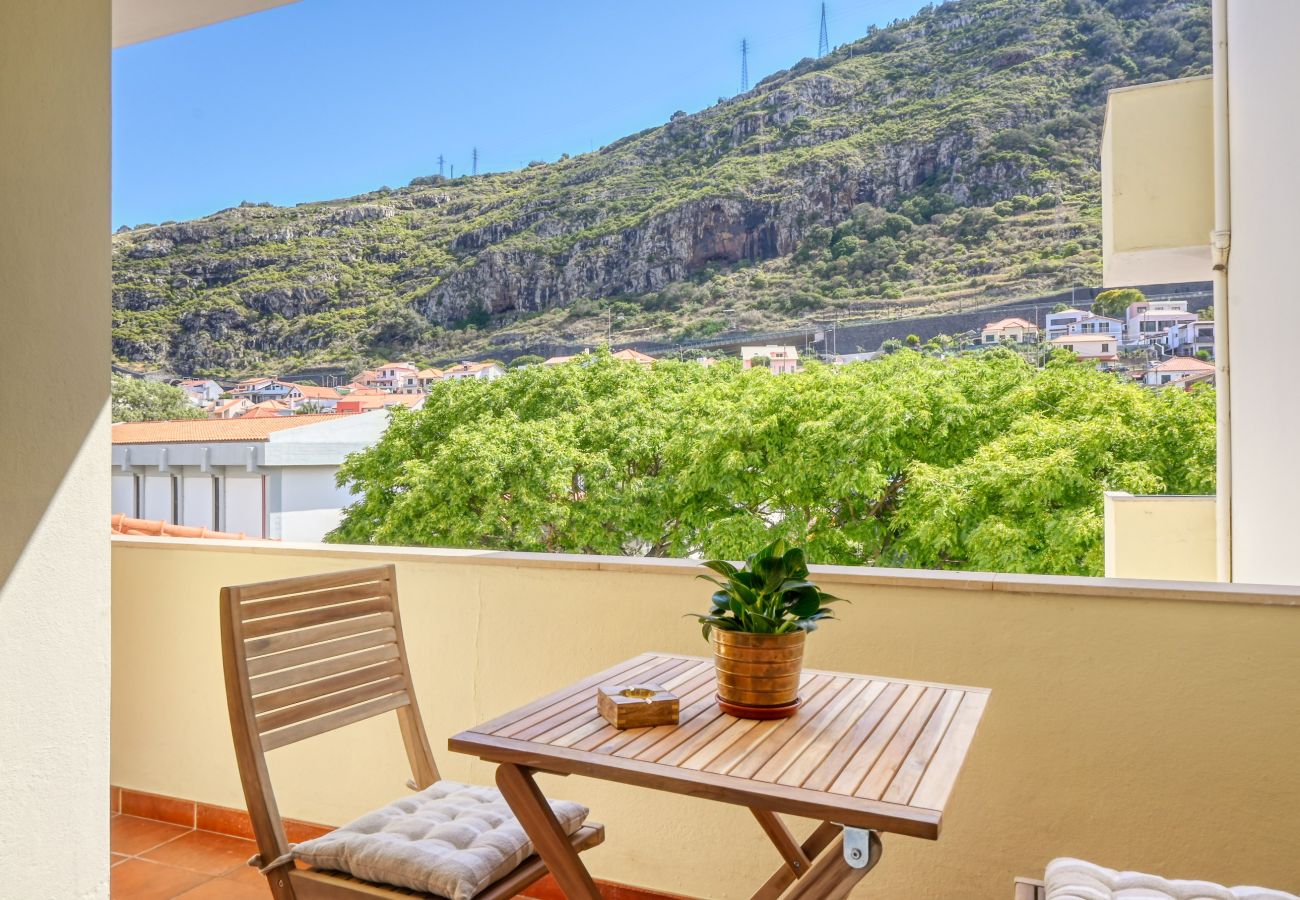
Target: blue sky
330, 98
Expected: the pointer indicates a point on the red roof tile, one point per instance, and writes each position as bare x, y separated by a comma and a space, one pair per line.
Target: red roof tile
208, 431
124, 524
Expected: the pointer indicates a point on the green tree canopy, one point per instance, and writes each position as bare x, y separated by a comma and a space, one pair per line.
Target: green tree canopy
140, 400
972, 462
1114, 303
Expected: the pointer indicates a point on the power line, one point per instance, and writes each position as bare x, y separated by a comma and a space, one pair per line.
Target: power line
823, 39
744, 65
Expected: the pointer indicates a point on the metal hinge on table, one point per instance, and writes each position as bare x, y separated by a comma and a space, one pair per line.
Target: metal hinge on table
857, 847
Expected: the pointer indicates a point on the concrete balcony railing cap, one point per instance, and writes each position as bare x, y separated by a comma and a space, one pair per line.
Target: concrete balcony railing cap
1101, 588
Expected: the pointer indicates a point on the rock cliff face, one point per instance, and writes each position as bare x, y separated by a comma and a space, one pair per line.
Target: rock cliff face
968, 106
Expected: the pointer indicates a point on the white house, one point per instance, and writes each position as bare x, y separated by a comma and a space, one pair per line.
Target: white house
391, 376
1190, 338
271, 477
325, 398
481, 371
1094, 324
230, 409
420, 382
1020, 331
1058, 323
201, 391
259, 390
1101, 347
1178, 370
1148, 320
780, 359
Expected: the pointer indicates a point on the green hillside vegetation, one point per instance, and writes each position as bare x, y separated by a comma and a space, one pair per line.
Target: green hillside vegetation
978, 461
950, 159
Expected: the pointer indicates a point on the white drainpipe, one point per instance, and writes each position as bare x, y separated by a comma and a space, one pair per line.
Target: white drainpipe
1220, 244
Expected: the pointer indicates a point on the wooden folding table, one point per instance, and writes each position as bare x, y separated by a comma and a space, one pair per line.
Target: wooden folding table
864, 755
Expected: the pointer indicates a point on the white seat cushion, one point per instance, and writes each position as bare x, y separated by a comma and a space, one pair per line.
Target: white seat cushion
1074, 879
450, 839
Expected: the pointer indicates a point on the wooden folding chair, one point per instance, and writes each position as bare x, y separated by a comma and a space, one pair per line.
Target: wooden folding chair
307, 655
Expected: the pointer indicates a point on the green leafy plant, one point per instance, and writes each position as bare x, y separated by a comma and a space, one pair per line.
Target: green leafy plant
770, 594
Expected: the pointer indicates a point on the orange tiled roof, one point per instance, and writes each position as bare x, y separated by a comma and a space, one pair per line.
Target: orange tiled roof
367, 403
429, 373
124, 524
315, 392
468, 368
208, 431
1009, 323
1185, 364
630, 355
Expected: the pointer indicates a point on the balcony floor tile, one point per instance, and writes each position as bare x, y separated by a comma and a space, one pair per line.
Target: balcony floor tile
204, 851
140, 879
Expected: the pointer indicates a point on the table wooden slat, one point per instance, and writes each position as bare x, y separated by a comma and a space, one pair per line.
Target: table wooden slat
867, 751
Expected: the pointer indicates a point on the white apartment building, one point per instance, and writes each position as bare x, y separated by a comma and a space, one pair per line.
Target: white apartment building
1190, 338
1058, 323
268, 477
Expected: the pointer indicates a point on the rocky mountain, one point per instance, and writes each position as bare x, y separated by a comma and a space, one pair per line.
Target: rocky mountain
949, 159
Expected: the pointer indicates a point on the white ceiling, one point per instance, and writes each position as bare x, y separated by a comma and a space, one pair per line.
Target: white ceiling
144, 20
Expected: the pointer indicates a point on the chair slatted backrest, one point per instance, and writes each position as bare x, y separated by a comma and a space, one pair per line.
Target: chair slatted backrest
307, 655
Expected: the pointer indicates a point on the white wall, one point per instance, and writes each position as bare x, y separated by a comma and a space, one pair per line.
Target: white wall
124, 489
243, 505
197, 503
54, 534
158, 496
305, 503
1264, 111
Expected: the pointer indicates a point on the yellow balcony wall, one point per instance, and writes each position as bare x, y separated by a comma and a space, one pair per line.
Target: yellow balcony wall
1157, 183
1165, 537
1145, 725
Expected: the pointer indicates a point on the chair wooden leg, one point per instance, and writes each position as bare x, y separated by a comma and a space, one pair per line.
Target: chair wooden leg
549, 840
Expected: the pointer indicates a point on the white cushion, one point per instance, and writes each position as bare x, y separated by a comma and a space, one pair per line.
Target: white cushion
1074, 879
451, 839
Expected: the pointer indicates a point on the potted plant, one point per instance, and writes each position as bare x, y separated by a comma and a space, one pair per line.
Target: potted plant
760, 615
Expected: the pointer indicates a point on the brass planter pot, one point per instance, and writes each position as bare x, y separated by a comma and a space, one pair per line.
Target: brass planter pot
758, 670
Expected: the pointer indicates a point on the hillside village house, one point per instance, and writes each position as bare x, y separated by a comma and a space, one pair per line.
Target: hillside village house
1190, 338
478, 370
201, 391
1178, 370
360, 402
420, 382
391, 376
779, 359
1058, 323
266, 477
629, 355
1101, 347
1094, 324
324, 398
1145, 718
230, 409
1148, 321
1015, 330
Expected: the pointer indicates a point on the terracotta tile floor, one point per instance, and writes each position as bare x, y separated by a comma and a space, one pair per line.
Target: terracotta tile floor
157, 861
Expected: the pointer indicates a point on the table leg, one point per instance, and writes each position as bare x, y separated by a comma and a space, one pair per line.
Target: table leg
829, 878
549, 840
